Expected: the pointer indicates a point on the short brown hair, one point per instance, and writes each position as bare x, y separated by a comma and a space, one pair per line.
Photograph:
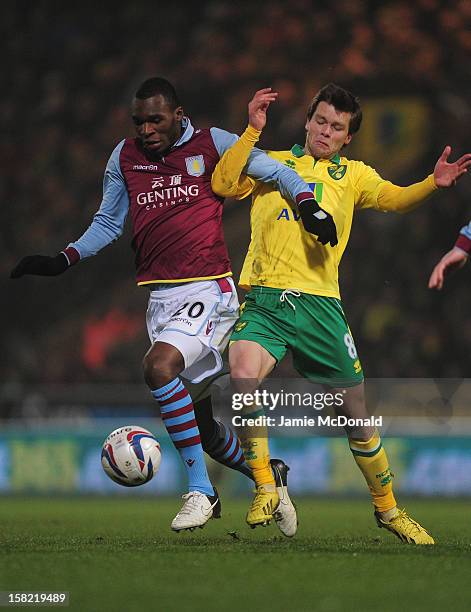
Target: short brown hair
342, 100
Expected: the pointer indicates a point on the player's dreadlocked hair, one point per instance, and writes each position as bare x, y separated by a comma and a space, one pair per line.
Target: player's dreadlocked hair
342, 100
158, 86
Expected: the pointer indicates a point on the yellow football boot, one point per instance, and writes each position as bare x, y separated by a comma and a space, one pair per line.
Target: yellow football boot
405, 528
262, 508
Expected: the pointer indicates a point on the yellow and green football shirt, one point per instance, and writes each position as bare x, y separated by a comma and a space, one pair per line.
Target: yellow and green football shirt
282, 254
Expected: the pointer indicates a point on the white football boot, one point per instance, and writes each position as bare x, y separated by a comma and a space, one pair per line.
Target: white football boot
197, 510
285, 514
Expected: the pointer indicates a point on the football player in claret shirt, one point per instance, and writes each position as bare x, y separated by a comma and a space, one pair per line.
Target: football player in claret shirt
162, 178
294, 300
453, 260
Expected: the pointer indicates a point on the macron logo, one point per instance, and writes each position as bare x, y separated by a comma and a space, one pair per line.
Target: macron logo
190, 462
149, 167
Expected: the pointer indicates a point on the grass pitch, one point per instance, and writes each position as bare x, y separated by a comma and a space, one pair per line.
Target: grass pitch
119, 554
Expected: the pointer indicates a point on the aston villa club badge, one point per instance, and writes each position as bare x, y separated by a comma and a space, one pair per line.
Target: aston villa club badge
195, 165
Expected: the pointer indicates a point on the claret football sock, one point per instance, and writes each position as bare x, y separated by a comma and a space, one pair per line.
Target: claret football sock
372, 460
224, 447
219, 440
178, 416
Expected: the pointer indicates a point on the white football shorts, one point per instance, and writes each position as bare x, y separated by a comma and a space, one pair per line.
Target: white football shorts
197, 319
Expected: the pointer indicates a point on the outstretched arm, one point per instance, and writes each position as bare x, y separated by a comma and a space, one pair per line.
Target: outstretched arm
393, 198
248, 160
404, 199
453, 260
228, 179
106, 227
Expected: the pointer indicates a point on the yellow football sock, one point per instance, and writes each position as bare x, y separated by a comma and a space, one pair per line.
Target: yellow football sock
372, 460
254, 442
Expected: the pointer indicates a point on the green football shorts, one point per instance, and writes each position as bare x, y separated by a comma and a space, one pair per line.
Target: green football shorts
313, 327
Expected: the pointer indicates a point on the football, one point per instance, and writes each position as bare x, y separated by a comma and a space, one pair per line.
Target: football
131, 455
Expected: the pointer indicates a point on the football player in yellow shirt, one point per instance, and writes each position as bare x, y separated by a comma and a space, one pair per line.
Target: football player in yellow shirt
294, 300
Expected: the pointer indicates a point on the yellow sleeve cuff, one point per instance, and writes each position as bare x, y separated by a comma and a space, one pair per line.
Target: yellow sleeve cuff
251, 134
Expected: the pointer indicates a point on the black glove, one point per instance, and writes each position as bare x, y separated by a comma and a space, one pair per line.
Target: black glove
318, 222
40, 264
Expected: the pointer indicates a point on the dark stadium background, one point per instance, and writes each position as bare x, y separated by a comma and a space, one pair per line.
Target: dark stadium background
71, 347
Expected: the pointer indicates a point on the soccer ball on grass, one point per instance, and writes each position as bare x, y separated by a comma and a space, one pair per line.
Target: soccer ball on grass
131, 455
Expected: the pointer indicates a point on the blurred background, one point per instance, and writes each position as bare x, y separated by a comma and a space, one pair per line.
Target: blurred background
72, 346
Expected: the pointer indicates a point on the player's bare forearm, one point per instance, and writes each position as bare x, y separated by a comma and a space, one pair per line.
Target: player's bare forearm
453, 260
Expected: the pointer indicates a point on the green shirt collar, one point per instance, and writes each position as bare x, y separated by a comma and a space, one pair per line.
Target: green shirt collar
335, 159
298, 151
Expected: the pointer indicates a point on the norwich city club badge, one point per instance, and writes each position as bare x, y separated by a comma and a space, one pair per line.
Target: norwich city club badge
337, 172
195, 165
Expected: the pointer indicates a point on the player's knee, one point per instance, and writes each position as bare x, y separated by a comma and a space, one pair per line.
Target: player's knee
244, 371
249, 362
159, 370
239, 370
